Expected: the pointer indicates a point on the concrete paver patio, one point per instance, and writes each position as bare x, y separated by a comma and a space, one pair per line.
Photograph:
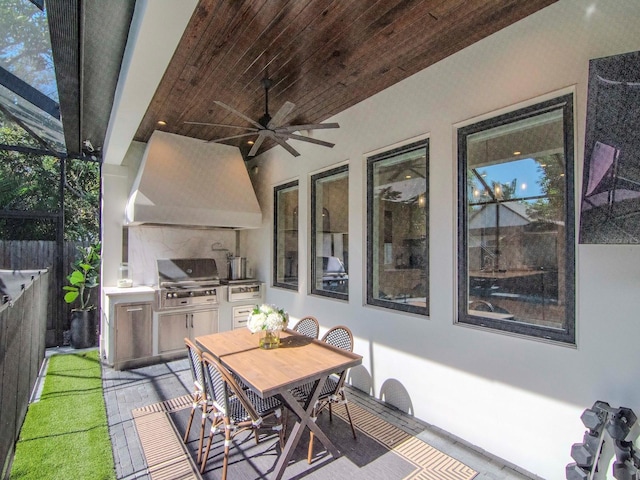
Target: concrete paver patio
127, 390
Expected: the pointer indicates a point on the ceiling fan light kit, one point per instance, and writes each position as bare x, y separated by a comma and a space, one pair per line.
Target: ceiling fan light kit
271, 127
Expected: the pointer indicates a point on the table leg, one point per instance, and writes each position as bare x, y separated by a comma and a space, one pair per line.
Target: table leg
304, 420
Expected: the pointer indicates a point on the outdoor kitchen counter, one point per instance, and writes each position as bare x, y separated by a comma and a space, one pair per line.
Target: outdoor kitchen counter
129, 290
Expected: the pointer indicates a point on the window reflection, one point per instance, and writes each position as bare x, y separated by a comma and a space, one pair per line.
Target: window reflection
397, 229
517, 261
330, 233
285, 272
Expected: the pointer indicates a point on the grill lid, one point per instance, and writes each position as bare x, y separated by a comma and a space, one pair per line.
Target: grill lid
188, 271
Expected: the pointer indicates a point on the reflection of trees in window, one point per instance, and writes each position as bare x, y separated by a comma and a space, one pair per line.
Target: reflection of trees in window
552, 183
516, 232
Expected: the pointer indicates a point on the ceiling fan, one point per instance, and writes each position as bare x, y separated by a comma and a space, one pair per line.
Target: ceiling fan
271, 127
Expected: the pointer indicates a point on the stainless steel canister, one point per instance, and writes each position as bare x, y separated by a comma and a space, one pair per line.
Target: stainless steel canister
237, 268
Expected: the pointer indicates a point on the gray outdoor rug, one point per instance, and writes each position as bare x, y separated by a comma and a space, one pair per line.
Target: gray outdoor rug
381, 451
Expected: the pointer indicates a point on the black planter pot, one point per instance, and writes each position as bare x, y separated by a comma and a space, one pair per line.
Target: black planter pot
83, 328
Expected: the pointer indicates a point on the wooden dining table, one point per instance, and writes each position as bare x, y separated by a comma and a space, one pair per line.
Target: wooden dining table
297, 361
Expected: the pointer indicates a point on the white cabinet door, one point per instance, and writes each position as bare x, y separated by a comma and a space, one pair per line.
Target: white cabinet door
172, 329
203, 322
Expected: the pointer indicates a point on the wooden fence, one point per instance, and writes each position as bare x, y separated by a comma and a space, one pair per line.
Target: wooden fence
36, 255
22, 332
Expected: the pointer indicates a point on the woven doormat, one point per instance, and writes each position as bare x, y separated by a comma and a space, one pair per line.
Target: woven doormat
168, 458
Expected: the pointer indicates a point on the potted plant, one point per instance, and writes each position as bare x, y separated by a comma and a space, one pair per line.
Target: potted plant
84, 277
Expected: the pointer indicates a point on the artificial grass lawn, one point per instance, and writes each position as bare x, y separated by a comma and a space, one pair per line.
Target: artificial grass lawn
65, 435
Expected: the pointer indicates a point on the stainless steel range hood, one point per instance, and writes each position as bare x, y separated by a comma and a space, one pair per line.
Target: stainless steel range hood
185, 181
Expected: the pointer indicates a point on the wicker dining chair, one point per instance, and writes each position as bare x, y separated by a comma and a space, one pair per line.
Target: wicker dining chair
307, 326
199, 395
236, 410
332, 392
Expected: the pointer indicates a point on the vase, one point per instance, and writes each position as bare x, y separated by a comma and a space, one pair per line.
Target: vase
269, 339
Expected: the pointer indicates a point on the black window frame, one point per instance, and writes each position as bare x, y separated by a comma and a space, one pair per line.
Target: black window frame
277, 189
564, 335
314, 181
371, 300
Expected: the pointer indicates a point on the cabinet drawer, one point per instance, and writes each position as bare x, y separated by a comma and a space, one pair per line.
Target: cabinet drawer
241, 315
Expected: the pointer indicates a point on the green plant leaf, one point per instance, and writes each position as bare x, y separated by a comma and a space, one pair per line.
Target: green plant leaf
76, 277
71, 297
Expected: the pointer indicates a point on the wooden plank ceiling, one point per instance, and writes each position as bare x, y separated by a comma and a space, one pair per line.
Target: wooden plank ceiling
324, 56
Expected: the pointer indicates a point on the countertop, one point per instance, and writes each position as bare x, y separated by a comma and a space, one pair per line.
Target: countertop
128, 290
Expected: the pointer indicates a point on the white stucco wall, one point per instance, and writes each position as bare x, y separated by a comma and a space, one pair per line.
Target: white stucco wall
519, 399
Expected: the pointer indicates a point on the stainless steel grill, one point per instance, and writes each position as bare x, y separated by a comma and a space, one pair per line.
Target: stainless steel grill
187, 282
244, 290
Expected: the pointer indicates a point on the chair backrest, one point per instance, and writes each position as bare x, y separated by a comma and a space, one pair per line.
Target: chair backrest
340, 337
307, 326
222, 387
195, 363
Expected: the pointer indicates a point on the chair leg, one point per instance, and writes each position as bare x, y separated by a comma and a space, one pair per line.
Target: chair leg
206, 451
283, 431
193, 411
202, 428
227, 443
310, 451
186, 433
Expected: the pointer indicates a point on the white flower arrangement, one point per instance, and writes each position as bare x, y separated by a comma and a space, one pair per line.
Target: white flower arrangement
267, 317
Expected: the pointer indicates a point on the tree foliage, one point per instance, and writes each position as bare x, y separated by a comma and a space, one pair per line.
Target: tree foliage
552, 183
25, 45
30, 183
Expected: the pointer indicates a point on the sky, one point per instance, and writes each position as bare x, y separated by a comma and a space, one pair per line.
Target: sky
525, 171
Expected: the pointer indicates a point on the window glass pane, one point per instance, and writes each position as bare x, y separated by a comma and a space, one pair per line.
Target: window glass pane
48, 128
285, 236
397, 229
330, 233
518, 236
25, 45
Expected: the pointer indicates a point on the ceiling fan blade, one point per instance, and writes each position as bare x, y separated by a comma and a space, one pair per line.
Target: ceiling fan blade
309, 126
281, 114
287, 147
222, 125
241, 115
218, 140
306, 139
256, 145
281, 141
